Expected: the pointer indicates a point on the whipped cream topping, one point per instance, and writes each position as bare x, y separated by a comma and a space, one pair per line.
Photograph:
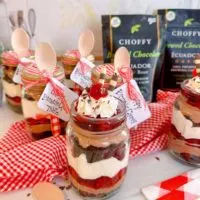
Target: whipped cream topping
107, 167
104, 107
194, 84
11, 89
185, 126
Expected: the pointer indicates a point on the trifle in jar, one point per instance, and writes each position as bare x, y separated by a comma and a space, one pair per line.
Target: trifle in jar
39, 122
184, 138
98, 143
69, 60
12, 90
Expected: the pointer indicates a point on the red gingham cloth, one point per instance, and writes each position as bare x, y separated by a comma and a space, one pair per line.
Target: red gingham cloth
182, 187
24, 162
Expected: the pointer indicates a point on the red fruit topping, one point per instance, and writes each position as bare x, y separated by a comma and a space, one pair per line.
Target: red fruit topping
32, 121
15, 99
99, 183
97, 91
194, 72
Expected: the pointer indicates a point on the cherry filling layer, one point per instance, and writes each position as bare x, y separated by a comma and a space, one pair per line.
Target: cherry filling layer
103, 125
32, 121
99, 183
179, 136
17, 100
187, 149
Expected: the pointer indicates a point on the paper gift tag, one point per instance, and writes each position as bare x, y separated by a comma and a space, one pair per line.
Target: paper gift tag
51, 103
84, 80
136, 111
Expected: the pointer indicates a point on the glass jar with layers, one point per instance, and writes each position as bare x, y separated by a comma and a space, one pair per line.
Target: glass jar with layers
12, 90
97, 152
38, 121
184, 138
69, 61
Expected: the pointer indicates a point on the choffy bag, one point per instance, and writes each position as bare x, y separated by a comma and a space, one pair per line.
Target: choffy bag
182, 44
142, 35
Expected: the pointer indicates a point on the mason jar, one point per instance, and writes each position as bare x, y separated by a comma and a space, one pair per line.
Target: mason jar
38, 121
11, 89
69, 60
184, 138
97, 153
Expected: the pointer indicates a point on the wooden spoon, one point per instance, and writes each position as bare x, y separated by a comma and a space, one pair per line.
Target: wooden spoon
122, 58
20, 42
47, 191
45, 57
86, 43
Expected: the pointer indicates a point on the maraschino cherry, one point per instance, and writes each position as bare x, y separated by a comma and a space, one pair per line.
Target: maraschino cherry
98, 91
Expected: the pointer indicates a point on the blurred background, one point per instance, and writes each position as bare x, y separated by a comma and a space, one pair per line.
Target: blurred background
61, 21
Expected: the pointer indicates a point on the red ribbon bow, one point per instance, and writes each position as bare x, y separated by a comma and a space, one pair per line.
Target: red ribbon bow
127, 74
46, 78
13, 58
83, 66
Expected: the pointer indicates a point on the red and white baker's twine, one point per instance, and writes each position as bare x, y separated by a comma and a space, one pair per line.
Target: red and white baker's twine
24, 162
127, 74
13, 58
83, 66
46, 78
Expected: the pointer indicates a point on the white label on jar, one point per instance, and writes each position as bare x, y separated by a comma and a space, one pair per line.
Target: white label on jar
18, 73
137, 111
52, 103
83, 79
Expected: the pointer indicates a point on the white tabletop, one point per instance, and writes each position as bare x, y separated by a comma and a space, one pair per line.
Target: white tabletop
142, 171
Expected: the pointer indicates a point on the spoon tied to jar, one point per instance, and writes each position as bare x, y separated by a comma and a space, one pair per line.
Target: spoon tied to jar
46, 60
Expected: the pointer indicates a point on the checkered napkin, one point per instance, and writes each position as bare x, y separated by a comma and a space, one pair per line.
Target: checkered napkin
24, 162
182, 187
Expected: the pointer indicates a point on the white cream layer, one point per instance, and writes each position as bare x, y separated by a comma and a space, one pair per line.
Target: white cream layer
11, 89
108, 167
31, 109
185, 126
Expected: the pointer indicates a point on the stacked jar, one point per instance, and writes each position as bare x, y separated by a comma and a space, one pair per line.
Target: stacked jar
38, 121
97, 152
12, 90
184, 138
69, 61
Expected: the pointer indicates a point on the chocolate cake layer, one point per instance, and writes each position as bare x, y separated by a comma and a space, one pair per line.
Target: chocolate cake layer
95, 154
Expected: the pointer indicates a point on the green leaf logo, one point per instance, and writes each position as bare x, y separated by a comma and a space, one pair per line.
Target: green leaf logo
188, 22
135, 28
